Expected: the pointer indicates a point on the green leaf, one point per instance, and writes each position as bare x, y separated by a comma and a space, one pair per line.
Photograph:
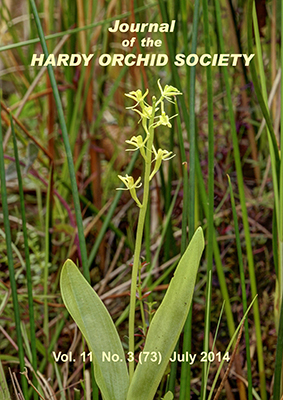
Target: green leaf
167, 324
168, 396
97, 327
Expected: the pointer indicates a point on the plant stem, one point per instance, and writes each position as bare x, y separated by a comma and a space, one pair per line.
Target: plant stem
65, 136
142, 316
141, 303
139, 236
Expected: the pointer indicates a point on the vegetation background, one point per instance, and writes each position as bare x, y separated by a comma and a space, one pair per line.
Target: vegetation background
70, 129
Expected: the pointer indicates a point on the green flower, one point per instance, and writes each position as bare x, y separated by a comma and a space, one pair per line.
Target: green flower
160, 155
131, 185
138, 143
168, 92
164, 120
137, 96
147, 111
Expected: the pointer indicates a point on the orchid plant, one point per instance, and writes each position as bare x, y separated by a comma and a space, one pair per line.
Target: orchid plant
115, 380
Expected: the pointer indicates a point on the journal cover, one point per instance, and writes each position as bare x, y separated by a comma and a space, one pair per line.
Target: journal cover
141, 200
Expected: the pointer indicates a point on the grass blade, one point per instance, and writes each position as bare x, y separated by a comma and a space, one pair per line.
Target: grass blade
244, 294
27, 258
66, 144
186, 368
210, 219
239, 171
228, 348
11, 261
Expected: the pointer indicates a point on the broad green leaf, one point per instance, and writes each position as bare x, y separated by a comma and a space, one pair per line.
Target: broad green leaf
97, 327
167, 323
